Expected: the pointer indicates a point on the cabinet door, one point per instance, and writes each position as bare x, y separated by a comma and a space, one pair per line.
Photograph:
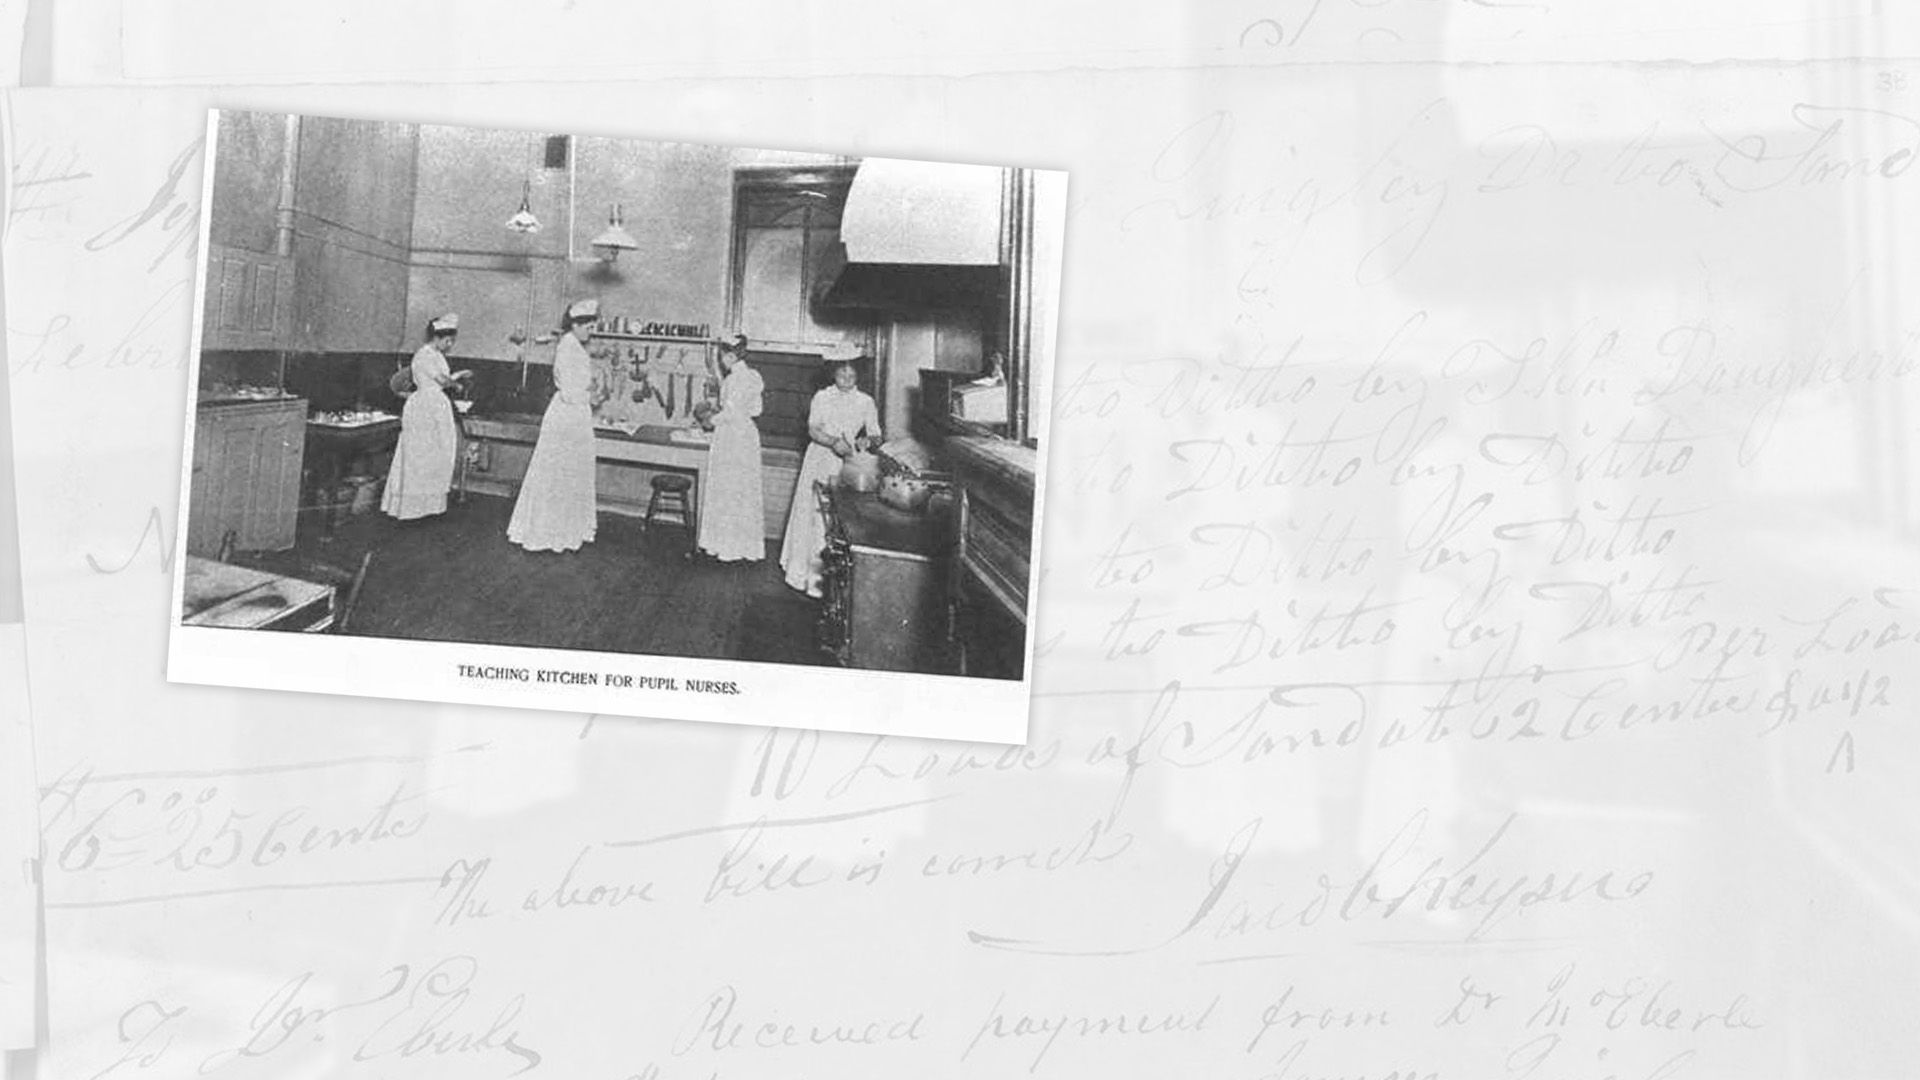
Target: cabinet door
898, 612
246, 478
283, 451
271, 495
236, 448
203, 528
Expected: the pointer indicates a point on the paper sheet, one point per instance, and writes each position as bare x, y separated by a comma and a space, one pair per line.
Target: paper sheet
19, 837
1474, 633
109, 41
13, 36
19, 842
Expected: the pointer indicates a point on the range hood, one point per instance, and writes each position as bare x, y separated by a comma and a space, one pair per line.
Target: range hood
917, 235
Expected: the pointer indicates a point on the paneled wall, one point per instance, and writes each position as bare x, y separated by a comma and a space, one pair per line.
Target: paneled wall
353, 224
248, 303
247, 170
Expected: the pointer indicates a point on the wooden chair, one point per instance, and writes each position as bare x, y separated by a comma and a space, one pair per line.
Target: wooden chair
344, 606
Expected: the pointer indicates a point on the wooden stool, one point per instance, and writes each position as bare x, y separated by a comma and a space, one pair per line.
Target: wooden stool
673, 493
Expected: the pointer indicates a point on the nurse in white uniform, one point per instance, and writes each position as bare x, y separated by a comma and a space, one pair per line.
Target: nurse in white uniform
556, 508
840, 420
422, 470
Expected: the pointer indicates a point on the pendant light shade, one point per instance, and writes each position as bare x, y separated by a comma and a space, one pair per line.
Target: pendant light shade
616, 238
523, 220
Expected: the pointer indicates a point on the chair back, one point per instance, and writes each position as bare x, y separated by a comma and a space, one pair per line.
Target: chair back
344, 612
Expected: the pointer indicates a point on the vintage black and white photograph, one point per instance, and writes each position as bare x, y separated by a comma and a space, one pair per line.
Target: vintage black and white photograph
583, 422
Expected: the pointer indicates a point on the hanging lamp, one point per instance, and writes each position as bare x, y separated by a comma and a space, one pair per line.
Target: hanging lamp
523, 220
616, 238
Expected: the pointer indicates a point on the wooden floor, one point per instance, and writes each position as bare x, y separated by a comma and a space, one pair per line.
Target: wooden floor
457, 578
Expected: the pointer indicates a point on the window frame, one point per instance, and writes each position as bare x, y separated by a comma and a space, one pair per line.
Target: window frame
756, 183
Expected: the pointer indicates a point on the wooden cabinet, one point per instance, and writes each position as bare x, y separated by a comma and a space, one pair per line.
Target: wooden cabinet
995, 479
247, 457
885, 584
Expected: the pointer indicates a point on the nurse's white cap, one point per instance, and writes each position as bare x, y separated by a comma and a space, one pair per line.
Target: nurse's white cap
584, 309
444, 324
842, 352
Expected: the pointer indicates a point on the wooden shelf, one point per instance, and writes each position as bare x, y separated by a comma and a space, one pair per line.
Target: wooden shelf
611, 335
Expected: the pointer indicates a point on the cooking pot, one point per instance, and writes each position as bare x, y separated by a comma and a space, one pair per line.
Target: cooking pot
860, 471
905, 492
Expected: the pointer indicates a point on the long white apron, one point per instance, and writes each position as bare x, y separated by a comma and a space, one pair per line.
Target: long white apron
733, 515
844, 413
556, 508
422, 469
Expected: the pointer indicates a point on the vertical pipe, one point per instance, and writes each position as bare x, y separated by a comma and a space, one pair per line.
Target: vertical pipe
283, 213
1017, 249
1008, 315
283, 236
533, 266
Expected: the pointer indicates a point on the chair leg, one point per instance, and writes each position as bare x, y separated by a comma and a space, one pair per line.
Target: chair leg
646, 524
353, 594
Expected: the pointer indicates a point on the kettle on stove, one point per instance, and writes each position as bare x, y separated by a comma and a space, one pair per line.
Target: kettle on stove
860, 470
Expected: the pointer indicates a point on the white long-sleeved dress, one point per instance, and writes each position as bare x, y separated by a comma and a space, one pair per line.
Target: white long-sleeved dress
733, 519
844, 413
556, 508
422, 469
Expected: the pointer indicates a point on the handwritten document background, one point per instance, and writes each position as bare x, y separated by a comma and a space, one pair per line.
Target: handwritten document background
214, 41
19, 836
19, 842
1475, 631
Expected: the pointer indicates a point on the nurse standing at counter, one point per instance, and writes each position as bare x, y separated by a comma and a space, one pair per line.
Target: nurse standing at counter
422, 470
732, 527
556, 508
841, 420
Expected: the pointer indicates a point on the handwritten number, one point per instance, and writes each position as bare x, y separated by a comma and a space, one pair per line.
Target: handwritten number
82, 851
230, 837
188, 820
793, 770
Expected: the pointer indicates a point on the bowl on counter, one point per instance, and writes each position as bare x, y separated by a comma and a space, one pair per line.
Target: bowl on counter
349, 418
904, 492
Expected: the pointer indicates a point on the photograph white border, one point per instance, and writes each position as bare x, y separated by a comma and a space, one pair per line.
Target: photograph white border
963, 708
